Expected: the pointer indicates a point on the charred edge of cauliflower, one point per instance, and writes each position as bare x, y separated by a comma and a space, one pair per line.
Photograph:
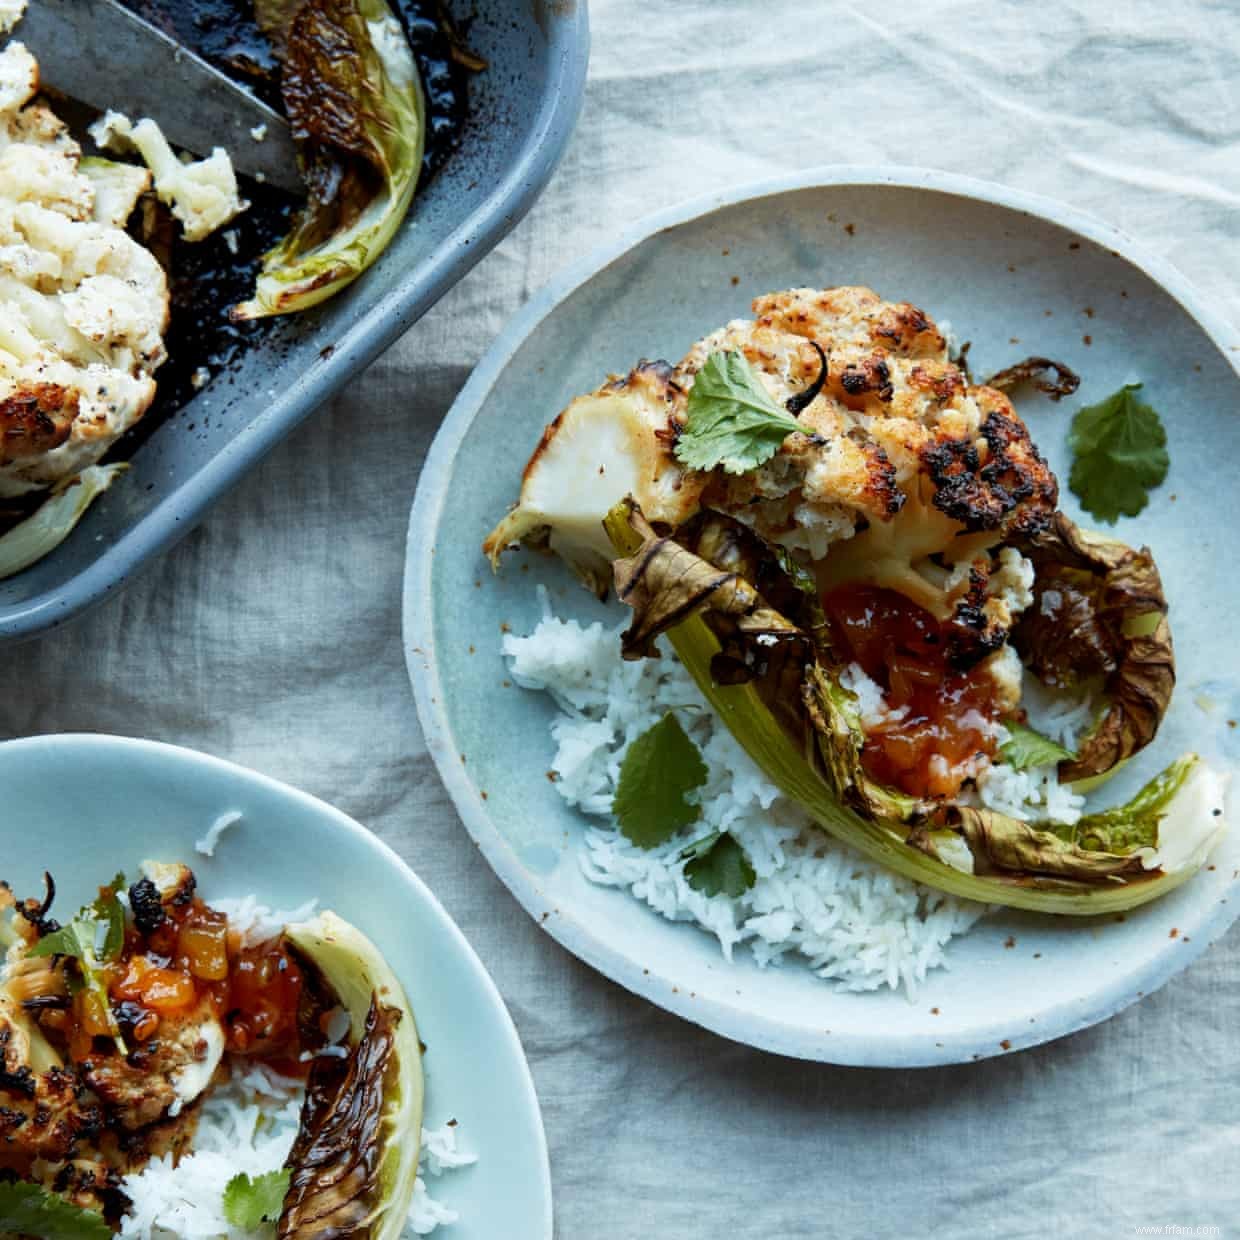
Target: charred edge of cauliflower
602, 447
998, 480
83, 307
908, 476
36, 420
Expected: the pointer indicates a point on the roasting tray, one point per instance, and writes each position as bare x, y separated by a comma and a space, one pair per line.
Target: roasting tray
522, 111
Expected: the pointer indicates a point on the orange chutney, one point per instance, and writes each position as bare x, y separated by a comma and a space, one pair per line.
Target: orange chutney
254, 990
950, 712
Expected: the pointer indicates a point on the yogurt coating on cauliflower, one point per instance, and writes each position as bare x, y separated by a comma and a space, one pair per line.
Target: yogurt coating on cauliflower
83, 307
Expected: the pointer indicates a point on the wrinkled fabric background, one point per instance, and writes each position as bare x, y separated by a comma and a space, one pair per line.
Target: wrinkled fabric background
271, 635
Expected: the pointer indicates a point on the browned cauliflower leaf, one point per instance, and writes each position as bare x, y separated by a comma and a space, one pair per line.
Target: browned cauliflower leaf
1099, 610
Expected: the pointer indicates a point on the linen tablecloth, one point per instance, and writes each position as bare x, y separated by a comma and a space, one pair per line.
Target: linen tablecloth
271, 635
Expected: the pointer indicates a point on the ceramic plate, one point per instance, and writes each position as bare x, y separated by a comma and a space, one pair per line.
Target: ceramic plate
84, 806
1015, 275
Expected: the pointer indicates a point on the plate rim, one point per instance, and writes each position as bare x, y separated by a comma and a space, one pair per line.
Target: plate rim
363, 837
761, 1031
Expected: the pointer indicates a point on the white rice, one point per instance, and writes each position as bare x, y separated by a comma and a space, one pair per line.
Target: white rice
1037, 793
439, 1154
207, 844
814, 899
248, 1124
871, 704
850, 920
1063, 717
255, 922
1029, 795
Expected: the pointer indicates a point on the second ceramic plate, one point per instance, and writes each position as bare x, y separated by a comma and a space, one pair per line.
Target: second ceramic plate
86, 806
1015, 275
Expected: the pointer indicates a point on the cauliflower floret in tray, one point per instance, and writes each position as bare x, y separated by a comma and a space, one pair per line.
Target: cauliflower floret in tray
83, 307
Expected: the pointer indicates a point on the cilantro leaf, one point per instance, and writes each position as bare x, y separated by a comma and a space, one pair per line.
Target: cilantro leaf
96, 934
731, 419
1119, 450
717, 864
660, 768
1026, 748
249, 1201
77, 940
29, 1209
93, 938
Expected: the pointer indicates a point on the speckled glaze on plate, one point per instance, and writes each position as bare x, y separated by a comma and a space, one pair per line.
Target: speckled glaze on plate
1013, 273
86, 806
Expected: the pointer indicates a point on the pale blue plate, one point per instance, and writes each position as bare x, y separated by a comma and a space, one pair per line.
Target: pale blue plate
86, 806
1015, 274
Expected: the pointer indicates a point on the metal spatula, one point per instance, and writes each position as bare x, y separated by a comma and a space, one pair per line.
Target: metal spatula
100, 53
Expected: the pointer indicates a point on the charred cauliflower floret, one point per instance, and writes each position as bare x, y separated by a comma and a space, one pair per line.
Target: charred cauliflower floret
820, 484
160, 1078
170, 1072
895, 421
43, 1109
83, 307
904, 476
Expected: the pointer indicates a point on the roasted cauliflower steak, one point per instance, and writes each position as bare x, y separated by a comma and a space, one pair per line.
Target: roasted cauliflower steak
83, 307
907, 475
